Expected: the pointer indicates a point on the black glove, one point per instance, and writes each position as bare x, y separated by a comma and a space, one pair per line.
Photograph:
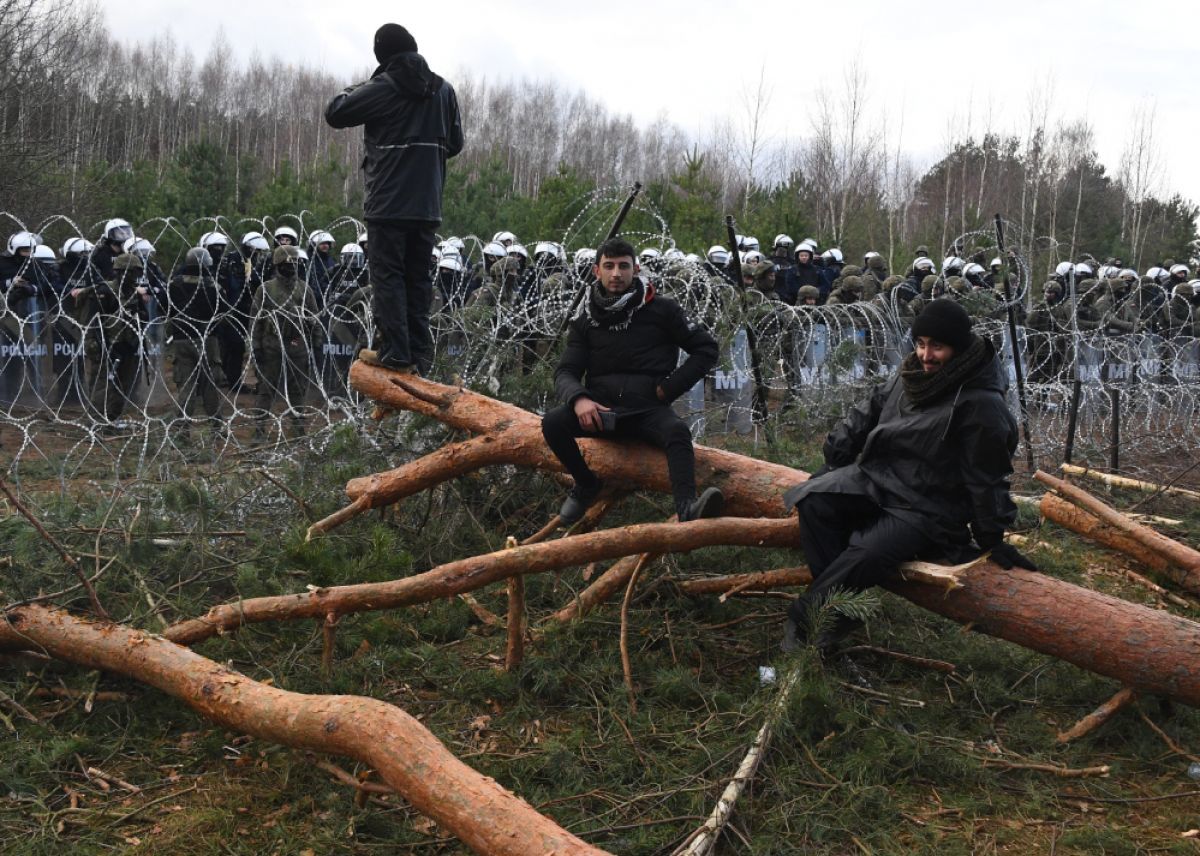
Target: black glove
1006, 556
821, 470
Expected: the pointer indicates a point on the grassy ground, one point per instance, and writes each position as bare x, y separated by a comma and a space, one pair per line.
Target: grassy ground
875, 755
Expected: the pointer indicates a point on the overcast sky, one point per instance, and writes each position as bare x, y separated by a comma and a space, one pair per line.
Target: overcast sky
934, 63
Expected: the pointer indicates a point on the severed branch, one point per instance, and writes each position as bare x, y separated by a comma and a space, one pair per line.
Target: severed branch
485, 816
1182, 557
1098, 717
702, 841
1122, 481
1076, 519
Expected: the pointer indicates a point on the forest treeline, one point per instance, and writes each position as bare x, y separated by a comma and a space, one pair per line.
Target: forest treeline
93, 128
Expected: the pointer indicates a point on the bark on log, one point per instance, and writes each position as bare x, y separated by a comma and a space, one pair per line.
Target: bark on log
1137, 646
782, 578
473, 573
752, 488
1073, 517
1122, 481
1097, 717
482, 814
1147, 649
1182, 557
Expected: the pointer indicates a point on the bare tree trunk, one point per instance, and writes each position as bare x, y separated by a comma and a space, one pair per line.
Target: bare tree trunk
483, 815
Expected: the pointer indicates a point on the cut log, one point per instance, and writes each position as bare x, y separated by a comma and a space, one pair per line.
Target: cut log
469, 574
752, 488
482, 814
1068, 516
1122, 481
1182, 557
782, 578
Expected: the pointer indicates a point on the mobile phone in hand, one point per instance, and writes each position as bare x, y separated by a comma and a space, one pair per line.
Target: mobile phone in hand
608, 420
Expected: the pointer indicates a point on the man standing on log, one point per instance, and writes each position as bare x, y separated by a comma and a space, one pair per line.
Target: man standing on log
412, 128
914, 471
626, 340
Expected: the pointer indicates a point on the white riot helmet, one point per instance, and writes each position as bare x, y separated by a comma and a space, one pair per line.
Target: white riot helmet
752, 257
452, 263
495, 249
973, 268
1183, 269
315, 239
213, 239
1083, 271
549, 248
361, 240
995, 263
833, 254
1195, 284
516, 249
23, 241
255, 241
1063, 268
301, 255
674, 255
584, 256
692, 259
952, 263
1108, 271
139, 247
1157, 274
352, 256
750, 243
811, 243
718, 255
118, 230
506, 238
286, 232
868, 256
42, 253
783, 241
457, 243
924, 263
200, 257
78, 246
1128, 274
649, 254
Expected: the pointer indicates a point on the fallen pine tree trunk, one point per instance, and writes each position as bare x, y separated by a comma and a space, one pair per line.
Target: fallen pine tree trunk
476, 572
1147, 649
473, 807
1133, 484
1073, 517
1180, 556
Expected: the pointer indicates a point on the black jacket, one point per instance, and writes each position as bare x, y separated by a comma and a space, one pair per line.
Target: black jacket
942, 467
195, 302
412, 127
624, 366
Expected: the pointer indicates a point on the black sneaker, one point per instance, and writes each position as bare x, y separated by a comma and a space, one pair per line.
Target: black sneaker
710, 503
579, 500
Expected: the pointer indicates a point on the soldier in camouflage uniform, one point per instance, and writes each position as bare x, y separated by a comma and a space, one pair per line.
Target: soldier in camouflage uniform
196, 308
1116, 307
849, 291
284, 334
113, 340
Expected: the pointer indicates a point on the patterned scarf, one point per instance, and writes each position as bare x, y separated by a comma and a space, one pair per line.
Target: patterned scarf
614, 312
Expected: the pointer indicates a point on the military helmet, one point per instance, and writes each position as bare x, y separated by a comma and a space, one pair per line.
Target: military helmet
876, 263
1052, 287
808, 292
922, 251
198, 256
285, 254
1183, 289
851, 270
928, 284
891, 282
853, 283
959, 284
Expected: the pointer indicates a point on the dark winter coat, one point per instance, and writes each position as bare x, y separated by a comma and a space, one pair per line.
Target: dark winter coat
942, 467
195, 302
623, 367
412, 128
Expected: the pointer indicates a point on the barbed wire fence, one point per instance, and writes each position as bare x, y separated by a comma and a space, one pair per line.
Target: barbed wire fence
121, 386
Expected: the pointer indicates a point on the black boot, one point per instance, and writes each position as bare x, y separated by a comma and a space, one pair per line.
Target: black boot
579, 500
710, 503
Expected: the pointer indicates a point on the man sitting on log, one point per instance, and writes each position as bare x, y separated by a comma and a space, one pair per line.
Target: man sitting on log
913, 471
626, 341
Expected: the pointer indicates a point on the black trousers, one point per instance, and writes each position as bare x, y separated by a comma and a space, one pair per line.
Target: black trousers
851, 543
659, 427
401, 273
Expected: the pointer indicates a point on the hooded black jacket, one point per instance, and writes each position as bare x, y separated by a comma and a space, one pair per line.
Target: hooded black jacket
624, 366
412, 128
941, 468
